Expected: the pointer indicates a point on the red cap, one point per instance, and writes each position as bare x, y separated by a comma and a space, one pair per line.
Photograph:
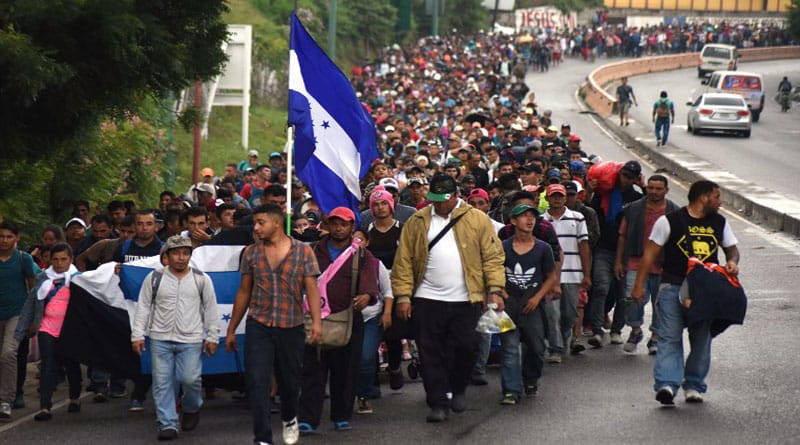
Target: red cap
556, 188
343, 213
574, 138
478, 192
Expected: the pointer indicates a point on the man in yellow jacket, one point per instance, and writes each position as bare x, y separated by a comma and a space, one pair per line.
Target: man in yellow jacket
449, 259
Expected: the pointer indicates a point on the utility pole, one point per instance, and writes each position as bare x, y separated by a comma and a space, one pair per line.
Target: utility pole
435, 25
332, 30
198, 103
494, 14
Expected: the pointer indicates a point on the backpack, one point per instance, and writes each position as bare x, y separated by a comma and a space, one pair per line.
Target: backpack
662, 110
255, 195
155, 282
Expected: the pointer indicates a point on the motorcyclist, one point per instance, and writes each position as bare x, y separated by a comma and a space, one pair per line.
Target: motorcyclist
785, 86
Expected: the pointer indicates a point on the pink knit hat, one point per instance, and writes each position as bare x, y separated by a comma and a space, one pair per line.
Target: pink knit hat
381, 195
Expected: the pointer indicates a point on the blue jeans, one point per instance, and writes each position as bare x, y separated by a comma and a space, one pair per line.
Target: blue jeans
669, 369
634, 313
515, 367
176, 365
561, 316
100, 382
369, 359
662, 125
265, 347
603, 282
484, 349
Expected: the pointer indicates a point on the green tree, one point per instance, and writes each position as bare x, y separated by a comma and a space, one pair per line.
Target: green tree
793, 12
465, 16
63, 69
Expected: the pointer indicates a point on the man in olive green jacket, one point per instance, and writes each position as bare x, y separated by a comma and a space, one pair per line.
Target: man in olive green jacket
449, 277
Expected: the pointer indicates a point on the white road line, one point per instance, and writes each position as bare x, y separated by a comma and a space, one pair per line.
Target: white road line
29, 417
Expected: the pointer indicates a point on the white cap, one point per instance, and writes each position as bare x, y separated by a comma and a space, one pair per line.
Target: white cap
77, 220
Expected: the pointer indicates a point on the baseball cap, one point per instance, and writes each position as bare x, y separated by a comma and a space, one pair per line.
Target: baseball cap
206, 172
508, 155
531, 168
632, 168
578, 186
574, 138
556, 188
443, 187
252, 153
274, 154
565, 125
203, 187
577, 167
416, 181
553, 173
571, 187
388, 183
453, 162
176, 242
388, 129
552, 128
75, 221
342, 213
468, 178
313, 217
522, 208
478, 193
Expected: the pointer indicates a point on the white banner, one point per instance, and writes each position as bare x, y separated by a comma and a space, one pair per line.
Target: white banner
544, 17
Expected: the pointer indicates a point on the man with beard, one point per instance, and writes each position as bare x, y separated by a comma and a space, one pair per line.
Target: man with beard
697, 225
634, 230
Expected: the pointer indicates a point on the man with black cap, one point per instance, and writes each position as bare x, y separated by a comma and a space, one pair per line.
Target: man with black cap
607, 290
449, 267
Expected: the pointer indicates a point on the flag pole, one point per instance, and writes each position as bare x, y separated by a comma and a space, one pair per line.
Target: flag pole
289, 171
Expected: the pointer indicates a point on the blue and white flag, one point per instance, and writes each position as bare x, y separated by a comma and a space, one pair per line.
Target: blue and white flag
102, 307
334, 138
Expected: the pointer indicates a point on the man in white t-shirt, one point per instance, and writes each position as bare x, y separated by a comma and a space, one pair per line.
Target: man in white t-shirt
449, 260
697, 230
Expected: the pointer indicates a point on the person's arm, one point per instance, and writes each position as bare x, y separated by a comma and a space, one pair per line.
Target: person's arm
403, 271
143, 311
655, 107
732, 259
633, 96
649, 257
240, 305
314, 305
586, 263
672, 111
211, 320
619, 267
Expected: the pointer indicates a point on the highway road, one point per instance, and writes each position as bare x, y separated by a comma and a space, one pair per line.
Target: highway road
769, 158
602, 397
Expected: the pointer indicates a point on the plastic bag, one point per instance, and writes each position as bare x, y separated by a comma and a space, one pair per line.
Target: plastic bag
605, 173
495, 322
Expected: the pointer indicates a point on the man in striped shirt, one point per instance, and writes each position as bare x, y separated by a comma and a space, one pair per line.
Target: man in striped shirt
575, 271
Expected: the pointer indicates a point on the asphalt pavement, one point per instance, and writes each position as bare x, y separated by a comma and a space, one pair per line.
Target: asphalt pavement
604, 396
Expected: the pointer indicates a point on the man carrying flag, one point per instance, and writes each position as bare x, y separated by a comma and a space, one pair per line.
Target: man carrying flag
334, 136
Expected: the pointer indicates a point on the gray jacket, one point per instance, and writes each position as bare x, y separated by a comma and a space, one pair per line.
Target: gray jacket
179, 313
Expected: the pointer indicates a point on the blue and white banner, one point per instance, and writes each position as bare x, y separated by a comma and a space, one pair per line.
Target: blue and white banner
334, 138
94, 326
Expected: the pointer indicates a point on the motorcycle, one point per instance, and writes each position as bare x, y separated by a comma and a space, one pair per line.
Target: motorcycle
785, 101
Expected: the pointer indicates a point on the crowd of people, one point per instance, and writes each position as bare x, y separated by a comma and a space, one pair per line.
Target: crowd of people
480, 198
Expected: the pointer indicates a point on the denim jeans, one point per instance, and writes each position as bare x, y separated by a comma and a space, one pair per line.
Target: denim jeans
561, 315
265, 347
100, 382
603, 282
484, 349
662, 126
669, 369
515, 367
369, 359
634, 313
176, 365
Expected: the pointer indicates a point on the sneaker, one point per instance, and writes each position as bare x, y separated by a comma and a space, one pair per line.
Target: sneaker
553, 359
342, 425
658, 143
633, 340
43, 416
305, 428
167, 434
665, 395
19, 402
616, 338
136, 406
479, 380
531, 390
5, 410
396, 379
652, 346
74, 407
363, 406
437, 415
119, 394
576, 347
509, 399
190, 421
100, 397
693, 396
596, 341
291, 432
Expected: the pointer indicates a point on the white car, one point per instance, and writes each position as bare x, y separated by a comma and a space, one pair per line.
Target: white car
719, 112
715, 57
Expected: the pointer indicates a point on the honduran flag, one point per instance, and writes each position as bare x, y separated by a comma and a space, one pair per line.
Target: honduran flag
97, 327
